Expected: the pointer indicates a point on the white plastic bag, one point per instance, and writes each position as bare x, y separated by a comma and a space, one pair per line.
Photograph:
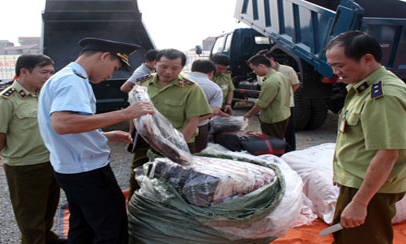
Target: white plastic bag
315, 166
400, 211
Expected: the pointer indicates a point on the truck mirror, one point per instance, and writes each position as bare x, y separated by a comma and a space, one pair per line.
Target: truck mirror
198, 49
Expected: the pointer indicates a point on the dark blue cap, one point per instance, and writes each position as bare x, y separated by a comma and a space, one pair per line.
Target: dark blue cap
120, 49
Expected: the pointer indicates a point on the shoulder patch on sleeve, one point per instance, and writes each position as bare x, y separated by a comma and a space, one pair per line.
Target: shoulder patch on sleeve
8, 92
377, 90
187, 82
143, 78
79, 74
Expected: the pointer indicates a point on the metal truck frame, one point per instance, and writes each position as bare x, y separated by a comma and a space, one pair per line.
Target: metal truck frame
298, 31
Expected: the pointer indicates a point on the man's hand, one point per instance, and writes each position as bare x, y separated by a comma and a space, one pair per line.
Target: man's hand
354, 215
228, 109
222, 114
118, 136
138, 109
247, 116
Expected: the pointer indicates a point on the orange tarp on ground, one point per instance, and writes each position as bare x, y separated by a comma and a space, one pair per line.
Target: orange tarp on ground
308, 234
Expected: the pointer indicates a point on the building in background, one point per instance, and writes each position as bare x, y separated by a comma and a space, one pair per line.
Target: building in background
27, 45
5, 44
10, 53
192, 53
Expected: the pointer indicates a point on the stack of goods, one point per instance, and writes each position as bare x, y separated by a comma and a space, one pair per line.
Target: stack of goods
252, 142
158, 131
212, 181
211, 200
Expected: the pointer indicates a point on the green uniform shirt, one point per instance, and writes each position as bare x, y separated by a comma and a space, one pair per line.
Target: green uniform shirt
375, 115
18, 121
178, 101
225, 82
274, 98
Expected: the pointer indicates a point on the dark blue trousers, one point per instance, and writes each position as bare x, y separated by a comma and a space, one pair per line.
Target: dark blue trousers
97, 207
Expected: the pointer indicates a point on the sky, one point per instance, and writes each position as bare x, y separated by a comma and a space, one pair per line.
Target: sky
180, 24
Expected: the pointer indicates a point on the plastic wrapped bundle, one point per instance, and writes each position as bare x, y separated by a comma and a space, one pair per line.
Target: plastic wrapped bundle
224, 124
159, 214
158, 131
252, 142
211, 181
315, 166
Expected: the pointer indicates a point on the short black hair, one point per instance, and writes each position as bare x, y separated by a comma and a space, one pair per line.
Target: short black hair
30, 61
221, 59
171, 54
203, 66
150, 55
258, 59
356, 44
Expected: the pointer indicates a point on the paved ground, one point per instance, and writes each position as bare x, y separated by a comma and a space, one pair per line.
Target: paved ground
120, 163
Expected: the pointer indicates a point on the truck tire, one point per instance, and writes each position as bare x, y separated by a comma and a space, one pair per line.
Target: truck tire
301, 110
318, 113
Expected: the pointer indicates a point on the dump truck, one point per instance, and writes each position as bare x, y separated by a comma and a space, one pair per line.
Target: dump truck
296, 31
65, 22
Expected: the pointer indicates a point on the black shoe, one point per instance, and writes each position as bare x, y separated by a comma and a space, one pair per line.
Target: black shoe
59, 240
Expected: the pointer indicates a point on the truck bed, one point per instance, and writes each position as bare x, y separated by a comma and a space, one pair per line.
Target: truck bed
304, 29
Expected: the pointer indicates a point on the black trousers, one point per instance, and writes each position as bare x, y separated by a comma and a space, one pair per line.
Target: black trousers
202, 138
97, 207
290, 137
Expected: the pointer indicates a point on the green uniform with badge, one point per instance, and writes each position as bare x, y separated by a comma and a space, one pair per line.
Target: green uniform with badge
225, 82
178, 101
275, 103
373, 118
33, 190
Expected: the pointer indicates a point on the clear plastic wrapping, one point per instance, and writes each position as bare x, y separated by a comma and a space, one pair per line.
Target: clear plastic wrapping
158, 131
210, 181
248, 193
223, 124
295, 209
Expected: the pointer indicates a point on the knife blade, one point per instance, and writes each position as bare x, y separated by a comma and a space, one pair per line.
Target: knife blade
331, 229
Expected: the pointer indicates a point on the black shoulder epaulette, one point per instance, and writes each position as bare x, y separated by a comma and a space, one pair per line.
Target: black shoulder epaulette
22, 93
8, 92
377, 90
79, 74
187, 82
362, 87
143, 78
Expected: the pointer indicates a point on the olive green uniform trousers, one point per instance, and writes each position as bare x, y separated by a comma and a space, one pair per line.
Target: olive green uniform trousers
34, 194
377, 228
